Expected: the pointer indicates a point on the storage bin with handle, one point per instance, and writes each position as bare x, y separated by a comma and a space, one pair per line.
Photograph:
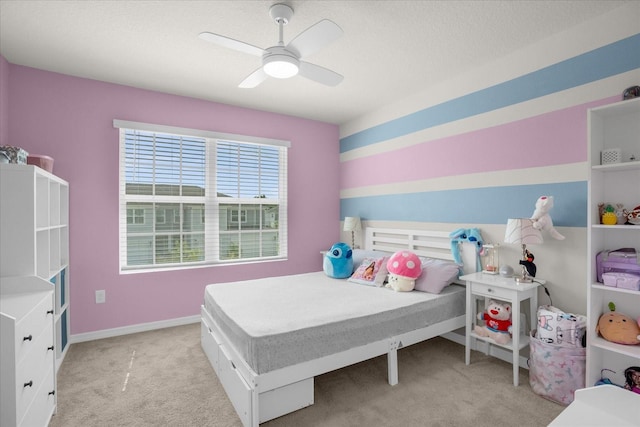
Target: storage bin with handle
623, 260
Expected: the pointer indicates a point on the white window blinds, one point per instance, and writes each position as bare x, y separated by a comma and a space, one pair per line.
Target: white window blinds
198, 199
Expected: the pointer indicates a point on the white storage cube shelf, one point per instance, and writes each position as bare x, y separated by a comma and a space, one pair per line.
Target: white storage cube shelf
612, 126
34, 216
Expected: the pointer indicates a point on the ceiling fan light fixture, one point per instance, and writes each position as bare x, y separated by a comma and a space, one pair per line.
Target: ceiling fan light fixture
280, 66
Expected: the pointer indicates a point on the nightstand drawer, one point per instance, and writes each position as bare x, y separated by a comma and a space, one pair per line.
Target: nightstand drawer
493, 291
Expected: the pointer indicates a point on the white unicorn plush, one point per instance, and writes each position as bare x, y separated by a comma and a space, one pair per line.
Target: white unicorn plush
541, 218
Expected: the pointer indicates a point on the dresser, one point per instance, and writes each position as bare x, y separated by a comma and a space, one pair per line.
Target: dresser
27, 353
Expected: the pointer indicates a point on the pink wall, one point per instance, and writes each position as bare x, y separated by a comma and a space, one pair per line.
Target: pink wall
71, 119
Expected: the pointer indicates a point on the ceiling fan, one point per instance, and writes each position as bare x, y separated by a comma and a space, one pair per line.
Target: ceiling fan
282, 61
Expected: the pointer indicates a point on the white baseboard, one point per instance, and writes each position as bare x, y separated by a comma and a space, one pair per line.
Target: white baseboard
142, 327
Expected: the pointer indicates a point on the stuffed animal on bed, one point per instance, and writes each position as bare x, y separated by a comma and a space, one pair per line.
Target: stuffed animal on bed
471, 235
338, 261
541, 218
497, 319
404, 268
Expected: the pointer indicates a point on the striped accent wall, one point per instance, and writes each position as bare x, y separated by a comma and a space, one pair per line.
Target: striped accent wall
487, 155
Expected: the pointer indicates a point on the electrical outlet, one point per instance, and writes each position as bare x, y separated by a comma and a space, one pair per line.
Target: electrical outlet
100, 297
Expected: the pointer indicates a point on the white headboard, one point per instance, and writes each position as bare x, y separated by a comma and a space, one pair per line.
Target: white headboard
428, 243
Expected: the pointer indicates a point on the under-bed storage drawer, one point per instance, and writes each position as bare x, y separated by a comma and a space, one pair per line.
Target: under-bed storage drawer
209, 345
236, 387
286, 399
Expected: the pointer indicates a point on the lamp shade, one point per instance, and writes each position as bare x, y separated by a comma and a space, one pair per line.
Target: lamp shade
521, 231
352, 223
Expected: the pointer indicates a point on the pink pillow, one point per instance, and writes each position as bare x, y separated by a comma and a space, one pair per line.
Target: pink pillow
436, 275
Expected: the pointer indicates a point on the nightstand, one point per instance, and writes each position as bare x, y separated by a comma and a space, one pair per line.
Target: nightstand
482, 285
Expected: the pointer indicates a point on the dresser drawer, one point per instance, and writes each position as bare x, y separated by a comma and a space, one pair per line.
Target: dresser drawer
29, 327
493, 291
32, 370
43, 404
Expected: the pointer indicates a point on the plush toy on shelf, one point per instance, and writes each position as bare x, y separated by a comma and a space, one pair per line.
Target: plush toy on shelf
618, 328
497, 319
338, 261
541, 218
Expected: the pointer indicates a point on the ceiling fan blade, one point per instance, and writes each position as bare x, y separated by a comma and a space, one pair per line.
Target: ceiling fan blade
231, 43
315, 38
254, 79
319, 74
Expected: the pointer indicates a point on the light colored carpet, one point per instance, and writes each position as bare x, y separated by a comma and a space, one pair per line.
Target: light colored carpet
163, 378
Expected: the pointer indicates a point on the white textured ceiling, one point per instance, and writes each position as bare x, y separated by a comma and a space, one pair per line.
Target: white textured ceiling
390, 49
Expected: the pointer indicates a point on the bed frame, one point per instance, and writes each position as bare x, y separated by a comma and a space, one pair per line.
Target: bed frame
258, 398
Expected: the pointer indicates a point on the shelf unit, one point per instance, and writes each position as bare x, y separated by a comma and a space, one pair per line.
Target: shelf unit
612, 126
34, 236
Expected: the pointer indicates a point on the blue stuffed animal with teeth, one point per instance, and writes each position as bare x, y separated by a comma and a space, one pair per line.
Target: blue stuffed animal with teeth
338, 261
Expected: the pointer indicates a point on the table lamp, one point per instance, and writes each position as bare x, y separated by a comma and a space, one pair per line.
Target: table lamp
352, 224
521, 231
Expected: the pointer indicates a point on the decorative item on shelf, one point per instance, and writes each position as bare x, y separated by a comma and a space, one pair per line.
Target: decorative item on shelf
521, 231
490, 258
633, 216
497, 322
631, 92
632, 379
618, 327
352, 224
610, 156
43, 162
15, 155
609, 216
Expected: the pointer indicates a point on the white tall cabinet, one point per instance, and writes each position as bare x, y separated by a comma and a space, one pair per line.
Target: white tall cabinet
34, 291
612, 126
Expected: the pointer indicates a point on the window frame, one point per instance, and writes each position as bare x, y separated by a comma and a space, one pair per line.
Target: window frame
210, 201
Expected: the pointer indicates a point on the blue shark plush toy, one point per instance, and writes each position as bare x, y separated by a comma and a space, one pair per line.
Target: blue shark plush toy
338, 261
471, 235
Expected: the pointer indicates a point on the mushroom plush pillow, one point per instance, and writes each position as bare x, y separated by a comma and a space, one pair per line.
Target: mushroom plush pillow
404, 268
437, 274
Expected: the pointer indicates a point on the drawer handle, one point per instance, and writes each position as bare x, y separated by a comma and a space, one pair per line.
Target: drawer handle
29, 384
489, 290
29, 338
50, 348
52, 392
49, 311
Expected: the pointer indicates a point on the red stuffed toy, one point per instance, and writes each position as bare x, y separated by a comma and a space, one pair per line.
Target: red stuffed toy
497, 319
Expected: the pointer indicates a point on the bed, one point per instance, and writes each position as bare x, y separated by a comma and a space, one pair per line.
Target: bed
267, 339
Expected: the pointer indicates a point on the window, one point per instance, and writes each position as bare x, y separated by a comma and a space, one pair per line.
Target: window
191, 198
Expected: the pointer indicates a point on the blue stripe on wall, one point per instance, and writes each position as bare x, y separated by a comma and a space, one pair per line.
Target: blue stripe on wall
492, 205
597, 64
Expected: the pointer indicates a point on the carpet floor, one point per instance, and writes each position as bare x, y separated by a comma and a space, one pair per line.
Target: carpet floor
163, 378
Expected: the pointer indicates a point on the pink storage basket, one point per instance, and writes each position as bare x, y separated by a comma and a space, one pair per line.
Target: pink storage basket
556, 372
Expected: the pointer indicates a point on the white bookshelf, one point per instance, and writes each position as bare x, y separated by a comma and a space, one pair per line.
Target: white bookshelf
34, 236
612, 126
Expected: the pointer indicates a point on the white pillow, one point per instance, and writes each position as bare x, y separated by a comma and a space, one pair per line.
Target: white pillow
436, 275
360, 254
